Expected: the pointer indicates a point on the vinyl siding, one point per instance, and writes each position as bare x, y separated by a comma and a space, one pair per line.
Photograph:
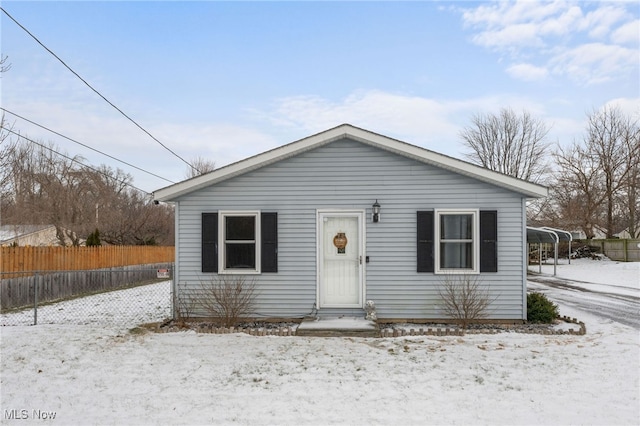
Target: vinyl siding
347, 174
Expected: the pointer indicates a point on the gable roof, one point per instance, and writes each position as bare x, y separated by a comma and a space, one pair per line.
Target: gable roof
367, 137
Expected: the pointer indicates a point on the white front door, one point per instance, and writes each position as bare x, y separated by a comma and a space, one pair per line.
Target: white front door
340, 257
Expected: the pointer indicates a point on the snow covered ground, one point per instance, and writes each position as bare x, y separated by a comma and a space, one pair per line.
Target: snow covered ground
143, 304
96, 374
597, 275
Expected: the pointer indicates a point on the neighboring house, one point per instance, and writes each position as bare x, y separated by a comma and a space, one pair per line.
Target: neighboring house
581, 235
280, 217
602, 235
28, 235
625, 234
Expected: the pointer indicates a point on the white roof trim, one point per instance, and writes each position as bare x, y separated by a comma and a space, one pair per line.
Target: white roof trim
423, 155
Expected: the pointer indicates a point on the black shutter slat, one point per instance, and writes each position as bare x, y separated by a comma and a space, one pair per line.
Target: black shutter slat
488, 241
269, 245
209, 242
425, 241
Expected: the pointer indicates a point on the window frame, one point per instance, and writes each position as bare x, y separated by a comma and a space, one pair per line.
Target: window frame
475, 241
257, 241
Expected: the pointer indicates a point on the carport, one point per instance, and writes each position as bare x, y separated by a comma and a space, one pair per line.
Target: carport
550, 236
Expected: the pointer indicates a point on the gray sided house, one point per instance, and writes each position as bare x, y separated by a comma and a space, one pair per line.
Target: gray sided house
299, 220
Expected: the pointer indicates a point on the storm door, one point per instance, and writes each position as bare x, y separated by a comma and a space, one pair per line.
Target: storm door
340, 259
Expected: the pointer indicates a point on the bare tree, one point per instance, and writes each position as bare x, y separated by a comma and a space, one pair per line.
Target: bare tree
508, 143
199, 166
630, 199
43, 189
123, 214
7, 144
133, 219
612, 139
596, 183
4, 66
7, 151
577, 191
46, 187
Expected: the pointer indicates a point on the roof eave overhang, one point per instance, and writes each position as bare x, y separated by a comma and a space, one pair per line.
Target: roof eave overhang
172, 192
528, 189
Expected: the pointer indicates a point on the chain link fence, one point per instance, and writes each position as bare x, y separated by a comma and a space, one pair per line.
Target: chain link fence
121, 297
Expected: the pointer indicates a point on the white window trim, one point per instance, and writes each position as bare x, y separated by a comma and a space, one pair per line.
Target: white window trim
222, 246
475, 241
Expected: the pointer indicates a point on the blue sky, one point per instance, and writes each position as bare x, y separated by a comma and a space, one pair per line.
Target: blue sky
226, 80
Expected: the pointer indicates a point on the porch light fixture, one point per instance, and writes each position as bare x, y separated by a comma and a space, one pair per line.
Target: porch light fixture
376, 212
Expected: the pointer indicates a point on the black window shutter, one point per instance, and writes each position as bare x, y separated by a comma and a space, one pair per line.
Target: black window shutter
488, 241
425, 241
269, 247
209, 242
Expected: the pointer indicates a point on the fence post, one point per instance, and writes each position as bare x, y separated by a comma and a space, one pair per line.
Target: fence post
174, 289
35, 298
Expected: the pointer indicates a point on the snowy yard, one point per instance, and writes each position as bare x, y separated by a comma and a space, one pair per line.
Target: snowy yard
126, 308
93, 374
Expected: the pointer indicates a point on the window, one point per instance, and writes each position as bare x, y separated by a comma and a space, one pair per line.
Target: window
239, 239
456, 241
239, 242
483, 243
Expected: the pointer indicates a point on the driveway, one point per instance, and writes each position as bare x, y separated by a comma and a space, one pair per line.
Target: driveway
608, 301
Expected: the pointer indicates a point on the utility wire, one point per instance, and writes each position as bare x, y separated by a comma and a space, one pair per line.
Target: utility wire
86, 146
95, 91
81, 164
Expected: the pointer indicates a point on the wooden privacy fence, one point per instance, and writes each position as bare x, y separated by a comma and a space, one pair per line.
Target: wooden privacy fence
621, 250
24, 261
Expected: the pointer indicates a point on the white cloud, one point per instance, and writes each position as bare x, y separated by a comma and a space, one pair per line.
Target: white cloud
563, 24
594, 62
525, 34
565, 129
556, 35
527, 72
600, 22
392, 114
432, 124
223, 143
629, 106
502, 14
628, 33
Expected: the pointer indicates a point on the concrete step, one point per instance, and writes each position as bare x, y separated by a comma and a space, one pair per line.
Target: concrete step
338, 327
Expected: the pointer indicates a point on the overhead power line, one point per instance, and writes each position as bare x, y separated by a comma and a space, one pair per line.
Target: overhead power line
81, 164
96, 91
84, 145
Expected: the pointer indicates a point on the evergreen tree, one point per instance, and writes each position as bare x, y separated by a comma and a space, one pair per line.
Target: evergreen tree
94, 239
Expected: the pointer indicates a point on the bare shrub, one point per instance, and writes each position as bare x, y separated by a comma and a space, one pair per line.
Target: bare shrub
227, 299
463, 299
183, 309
